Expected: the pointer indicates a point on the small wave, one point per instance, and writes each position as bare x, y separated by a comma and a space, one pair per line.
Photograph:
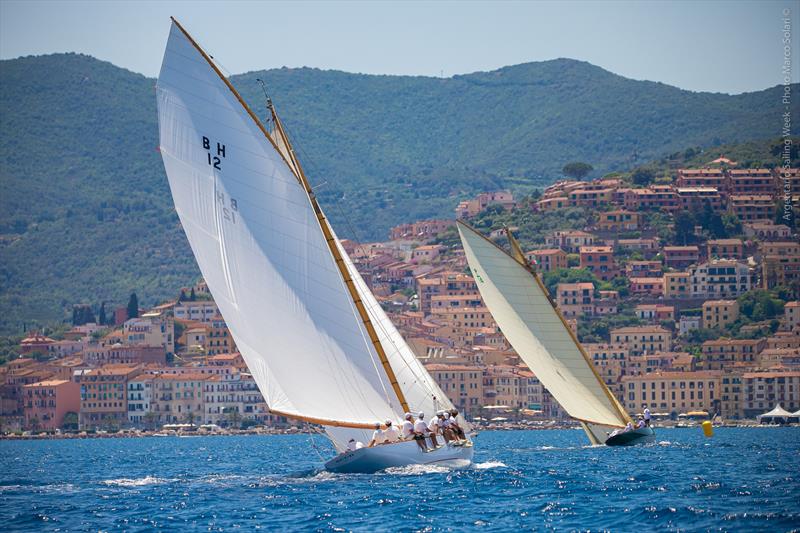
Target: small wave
489, 464
664, 443
140, 482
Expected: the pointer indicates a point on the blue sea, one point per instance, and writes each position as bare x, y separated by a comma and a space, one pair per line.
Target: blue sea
739, 480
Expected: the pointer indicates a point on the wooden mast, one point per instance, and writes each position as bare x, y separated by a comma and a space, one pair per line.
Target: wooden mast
329, 238
524, 264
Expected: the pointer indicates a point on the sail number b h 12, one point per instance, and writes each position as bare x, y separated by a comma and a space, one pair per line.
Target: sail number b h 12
214, 160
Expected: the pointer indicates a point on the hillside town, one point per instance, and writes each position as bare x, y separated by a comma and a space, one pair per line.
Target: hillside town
696, 326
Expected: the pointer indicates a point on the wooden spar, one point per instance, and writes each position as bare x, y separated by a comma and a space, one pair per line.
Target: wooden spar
326, 421
514, 244
592, 437
324, 226
348, 280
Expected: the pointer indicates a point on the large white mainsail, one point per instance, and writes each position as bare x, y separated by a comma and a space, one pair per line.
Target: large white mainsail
261, 250
525, 315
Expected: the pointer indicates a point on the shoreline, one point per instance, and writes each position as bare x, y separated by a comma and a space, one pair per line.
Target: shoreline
303, 431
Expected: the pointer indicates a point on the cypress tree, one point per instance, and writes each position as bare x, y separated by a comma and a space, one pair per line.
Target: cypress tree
102, 319
133, 306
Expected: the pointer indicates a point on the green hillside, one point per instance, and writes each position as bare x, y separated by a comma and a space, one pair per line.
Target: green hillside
85, 212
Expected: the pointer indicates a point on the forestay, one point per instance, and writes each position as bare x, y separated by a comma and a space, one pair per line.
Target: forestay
537, 333
260, 248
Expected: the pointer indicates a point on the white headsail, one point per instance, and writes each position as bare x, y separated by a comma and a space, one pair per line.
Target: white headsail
522, 310
419, 389
260, 247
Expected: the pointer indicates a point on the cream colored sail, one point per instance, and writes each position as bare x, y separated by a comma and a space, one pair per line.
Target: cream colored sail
534, 328
261, 249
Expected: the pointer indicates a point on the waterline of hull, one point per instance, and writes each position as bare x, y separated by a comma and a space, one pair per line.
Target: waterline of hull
370, 460
644, 435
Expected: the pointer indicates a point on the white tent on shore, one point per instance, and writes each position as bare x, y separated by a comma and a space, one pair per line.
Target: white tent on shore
778, 414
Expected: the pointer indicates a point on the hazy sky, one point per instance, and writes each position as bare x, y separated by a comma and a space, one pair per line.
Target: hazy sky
725, 46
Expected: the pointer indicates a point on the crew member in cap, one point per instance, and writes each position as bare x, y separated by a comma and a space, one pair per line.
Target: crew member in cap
353, 445
447, 431
408, 427
377, 436
454, 425
420, 431
433, 427
390, 434
443, 423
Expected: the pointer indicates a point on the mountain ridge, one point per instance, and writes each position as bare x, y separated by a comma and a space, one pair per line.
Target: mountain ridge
85, 210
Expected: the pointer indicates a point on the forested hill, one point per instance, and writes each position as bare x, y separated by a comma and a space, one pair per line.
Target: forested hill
85, 211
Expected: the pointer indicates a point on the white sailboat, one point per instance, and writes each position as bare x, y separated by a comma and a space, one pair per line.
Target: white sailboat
316, 341
533, 325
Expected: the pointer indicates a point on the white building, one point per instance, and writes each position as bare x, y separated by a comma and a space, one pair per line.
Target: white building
140, 396
719, 279
199, 311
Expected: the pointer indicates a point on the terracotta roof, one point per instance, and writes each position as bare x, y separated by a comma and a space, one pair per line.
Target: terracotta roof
48, 383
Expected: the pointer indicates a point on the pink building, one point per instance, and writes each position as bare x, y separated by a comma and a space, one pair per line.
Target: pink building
647, 286
46, 403
599, 260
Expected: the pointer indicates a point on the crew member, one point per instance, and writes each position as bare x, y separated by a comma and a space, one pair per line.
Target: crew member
408, 426
434, 429
377, 436
420, 431
454, 425
390, 434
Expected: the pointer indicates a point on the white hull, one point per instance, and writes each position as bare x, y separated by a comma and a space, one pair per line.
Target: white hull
370, 460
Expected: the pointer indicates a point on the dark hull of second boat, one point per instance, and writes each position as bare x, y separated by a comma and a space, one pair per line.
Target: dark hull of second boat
644, 435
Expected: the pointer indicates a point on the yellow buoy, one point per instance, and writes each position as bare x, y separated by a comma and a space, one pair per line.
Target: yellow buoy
708, 429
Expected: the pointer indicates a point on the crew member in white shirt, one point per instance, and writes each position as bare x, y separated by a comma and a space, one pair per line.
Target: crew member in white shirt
454, 425
408, 427
647, 417
433, 427
420, 431
353, 445
447, 431
443, 423
377, 436
390, 434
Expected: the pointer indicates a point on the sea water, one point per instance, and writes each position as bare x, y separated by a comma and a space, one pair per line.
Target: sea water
739, 480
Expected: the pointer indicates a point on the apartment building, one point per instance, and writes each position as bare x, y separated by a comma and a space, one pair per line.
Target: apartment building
619, 220
751, 181
641, 339
673, 392
677, 285
575, 299
720, 278
725, 249
762, 390
104, 402
681, 256
599, 260
548, 259
751, 208
720, 313
723, 353
463, 385
45, 403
